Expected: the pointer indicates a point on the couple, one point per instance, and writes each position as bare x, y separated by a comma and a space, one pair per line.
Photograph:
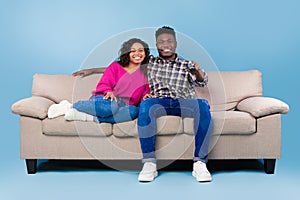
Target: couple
148, 87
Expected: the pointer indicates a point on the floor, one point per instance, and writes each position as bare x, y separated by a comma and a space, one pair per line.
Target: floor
61, 179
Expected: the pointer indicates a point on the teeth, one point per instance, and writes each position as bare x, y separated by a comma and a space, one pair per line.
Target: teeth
167, 50
137, 57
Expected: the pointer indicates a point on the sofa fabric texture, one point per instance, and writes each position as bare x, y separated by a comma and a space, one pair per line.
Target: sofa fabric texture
262, 106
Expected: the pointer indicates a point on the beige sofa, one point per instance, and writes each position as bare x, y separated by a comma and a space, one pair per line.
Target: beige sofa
246, 125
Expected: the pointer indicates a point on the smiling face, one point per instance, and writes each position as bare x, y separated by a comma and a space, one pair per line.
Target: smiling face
137, 53
166, 45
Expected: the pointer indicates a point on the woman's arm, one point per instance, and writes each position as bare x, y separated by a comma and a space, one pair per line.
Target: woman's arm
107, 81
87, 72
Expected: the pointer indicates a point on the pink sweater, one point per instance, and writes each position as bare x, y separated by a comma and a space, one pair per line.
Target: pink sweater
130, 86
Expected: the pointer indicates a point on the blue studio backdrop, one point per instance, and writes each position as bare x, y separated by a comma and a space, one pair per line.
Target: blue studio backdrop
55, 37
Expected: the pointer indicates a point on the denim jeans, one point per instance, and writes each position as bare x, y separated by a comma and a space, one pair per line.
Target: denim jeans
106, 110
152, 108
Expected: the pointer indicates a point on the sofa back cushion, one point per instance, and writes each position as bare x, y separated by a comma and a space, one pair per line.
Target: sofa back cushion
226, 89
64, 87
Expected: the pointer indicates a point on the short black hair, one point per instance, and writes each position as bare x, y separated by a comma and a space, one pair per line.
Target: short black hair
165, 29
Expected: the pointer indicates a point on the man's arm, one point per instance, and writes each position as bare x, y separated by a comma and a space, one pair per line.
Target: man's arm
87, 72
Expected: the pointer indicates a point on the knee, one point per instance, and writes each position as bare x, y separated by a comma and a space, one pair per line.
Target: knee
203, 104
204, 109
146, 105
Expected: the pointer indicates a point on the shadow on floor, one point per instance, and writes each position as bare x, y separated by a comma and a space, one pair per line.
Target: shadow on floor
214, 166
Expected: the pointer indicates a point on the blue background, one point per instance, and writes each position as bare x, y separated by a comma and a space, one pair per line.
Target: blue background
56, 36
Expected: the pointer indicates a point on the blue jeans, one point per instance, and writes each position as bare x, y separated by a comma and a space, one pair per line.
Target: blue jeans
152, 108
106, 110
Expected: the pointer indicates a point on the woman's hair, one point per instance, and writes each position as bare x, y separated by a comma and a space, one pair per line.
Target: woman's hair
125, 50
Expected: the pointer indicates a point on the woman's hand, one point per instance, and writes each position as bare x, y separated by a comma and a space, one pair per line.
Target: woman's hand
148, 96
87, 72
110, 96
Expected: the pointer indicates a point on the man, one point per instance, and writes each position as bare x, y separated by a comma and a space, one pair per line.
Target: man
172, 80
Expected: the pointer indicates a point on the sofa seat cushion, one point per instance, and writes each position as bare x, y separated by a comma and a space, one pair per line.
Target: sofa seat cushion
166, 125
228, 122
59, 126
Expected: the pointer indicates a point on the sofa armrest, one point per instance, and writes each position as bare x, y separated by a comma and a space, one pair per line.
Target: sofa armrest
34, 106
262, 106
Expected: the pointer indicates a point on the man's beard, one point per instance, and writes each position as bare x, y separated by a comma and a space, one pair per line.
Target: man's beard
166, 57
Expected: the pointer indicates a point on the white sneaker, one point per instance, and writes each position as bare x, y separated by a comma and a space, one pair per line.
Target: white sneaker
200, 172
75, 115
56, 110
148, 172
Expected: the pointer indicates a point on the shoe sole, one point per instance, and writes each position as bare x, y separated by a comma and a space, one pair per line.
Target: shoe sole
206, 179
149, 180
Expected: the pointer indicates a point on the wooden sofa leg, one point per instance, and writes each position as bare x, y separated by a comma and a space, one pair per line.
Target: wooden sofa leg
31, 165
269, 165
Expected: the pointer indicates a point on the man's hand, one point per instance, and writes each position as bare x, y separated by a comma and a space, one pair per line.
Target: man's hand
197, 71
87, 72
110, 96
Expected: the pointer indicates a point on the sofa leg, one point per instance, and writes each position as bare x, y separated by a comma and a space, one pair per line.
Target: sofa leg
269, 165
31, 165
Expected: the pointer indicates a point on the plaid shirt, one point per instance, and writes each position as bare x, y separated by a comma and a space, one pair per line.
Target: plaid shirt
170, 78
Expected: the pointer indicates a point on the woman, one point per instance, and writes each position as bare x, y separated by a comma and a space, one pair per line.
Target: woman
118, 93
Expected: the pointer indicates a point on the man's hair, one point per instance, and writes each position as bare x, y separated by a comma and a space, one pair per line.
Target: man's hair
165, 29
